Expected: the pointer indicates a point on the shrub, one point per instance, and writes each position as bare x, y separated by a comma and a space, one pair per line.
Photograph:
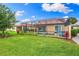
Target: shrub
78, 30
74, 32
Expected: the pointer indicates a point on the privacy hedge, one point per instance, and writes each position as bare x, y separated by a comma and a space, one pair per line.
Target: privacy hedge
78, 30
74, 32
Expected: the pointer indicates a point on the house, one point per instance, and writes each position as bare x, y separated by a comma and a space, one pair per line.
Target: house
11, 29
53, 26
24, 27
75, 26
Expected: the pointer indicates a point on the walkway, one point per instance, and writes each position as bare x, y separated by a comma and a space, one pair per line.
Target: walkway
76, 39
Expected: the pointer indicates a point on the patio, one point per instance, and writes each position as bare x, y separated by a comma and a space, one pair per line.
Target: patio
76, 39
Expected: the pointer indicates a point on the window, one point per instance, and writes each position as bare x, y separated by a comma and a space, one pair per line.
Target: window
58, 29
42, 29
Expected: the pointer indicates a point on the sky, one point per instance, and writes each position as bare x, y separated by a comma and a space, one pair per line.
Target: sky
37, 11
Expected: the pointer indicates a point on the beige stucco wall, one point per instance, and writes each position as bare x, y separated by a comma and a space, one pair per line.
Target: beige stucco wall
11, 29
69, 32
75, 27
65, 28
50, 28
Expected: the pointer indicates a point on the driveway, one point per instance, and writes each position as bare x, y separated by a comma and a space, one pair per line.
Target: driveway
76, 39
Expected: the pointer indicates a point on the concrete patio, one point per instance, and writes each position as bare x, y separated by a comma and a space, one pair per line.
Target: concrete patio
76, 39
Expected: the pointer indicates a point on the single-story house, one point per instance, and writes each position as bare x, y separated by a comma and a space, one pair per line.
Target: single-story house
53, 26
11, 29
75, 26
24, 27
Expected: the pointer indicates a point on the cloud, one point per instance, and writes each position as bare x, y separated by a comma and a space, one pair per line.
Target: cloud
57, 7
66, 17
32, 18
25, 20
73, 3
76, 3
19, 13
26, 3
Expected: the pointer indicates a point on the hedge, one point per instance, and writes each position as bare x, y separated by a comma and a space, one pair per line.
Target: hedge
74, 32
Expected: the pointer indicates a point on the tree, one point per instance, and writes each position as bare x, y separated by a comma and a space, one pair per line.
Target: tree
7, 18
72, 20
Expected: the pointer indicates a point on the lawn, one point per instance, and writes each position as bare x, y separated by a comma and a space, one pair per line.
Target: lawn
30, 45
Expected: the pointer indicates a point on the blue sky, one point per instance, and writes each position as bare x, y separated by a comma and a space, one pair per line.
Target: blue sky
37, 11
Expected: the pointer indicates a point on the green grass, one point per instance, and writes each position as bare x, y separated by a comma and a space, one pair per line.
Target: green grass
29, 45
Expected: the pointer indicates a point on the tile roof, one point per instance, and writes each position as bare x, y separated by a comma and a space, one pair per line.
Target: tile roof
52, 21
23, 25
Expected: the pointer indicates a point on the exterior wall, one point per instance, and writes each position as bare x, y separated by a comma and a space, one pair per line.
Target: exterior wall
11, 29
70, 37
76, 27
65, 28
50, 28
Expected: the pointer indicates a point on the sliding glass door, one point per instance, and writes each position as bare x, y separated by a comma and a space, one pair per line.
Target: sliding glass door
58, 29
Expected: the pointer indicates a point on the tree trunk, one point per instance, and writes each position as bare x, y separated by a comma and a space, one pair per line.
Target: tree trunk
3, 33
